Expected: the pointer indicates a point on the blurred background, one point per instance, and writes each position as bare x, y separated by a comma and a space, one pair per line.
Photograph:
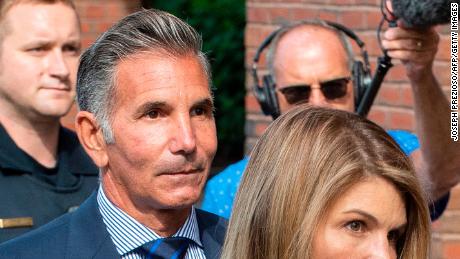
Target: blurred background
233, 29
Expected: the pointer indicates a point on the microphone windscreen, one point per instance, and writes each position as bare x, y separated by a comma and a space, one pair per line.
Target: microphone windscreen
422, 13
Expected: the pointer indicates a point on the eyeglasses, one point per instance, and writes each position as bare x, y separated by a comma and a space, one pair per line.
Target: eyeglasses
332, 89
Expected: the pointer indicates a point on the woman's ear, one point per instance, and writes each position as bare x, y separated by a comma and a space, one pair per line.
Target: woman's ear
91, 138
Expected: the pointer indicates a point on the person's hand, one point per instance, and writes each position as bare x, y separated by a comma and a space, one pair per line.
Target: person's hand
416, 48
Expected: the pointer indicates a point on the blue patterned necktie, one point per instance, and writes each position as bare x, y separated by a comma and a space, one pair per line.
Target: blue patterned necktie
166, 248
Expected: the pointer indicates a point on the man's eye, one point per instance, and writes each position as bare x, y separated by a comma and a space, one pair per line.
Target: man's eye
198, 111
153, 114
356, 226
37, 49
71, 49
202, 111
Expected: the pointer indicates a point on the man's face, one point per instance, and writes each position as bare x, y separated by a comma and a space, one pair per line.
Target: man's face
164, 130
310, 56
38, 60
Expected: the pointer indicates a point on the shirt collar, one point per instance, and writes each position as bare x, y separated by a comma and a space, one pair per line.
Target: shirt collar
69, 151
128, 234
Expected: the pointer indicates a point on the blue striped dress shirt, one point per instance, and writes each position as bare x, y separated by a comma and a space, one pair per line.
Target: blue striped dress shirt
128, 234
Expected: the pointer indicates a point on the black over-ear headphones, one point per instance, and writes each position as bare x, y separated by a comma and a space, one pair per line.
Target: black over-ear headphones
266, 93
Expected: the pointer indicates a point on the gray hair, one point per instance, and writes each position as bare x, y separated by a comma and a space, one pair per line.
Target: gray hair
143, 31
314, 23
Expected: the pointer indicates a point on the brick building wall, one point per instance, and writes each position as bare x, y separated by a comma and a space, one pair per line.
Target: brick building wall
96, 17
393, 106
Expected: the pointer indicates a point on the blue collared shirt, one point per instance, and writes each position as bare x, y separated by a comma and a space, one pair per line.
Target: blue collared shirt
128, 234
221, 189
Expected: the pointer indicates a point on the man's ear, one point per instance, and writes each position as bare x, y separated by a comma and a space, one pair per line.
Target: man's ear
91, 138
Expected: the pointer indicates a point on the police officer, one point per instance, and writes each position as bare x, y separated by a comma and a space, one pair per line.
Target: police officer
44, 172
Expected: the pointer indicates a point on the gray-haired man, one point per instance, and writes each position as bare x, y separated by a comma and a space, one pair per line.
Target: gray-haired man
146, 120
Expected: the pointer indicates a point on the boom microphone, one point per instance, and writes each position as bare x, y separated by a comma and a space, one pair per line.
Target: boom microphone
414, 14
422, 13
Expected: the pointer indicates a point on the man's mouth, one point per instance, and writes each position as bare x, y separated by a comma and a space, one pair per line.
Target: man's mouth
60, 87
183, 172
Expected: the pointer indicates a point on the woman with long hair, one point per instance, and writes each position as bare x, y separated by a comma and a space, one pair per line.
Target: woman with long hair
325, 183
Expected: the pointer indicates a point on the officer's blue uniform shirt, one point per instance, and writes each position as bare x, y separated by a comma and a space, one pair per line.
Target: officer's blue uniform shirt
221, 189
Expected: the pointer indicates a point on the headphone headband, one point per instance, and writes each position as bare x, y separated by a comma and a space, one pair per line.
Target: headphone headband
266, 94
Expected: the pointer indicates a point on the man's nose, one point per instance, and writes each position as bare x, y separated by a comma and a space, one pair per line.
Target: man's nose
57, 65
316, 97
184, 140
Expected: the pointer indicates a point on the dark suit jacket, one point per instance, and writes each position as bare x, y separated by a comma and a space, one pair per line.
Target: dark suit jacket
82, 234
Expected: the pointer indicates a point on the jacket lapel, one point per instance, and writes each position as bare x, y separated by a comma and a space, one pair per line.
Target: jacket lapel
88, 237
212, 233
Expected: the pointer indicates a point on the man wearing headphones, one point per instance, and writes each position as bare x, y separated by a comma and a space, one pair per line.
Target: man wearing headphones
312, 62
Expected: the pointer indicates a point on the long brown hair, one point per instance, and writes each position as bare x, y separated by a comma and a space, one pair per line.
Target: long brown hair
300, 165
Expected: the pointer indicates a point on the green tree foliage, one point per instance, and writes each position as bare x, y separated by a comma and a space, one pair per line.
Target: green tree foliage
221, 24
